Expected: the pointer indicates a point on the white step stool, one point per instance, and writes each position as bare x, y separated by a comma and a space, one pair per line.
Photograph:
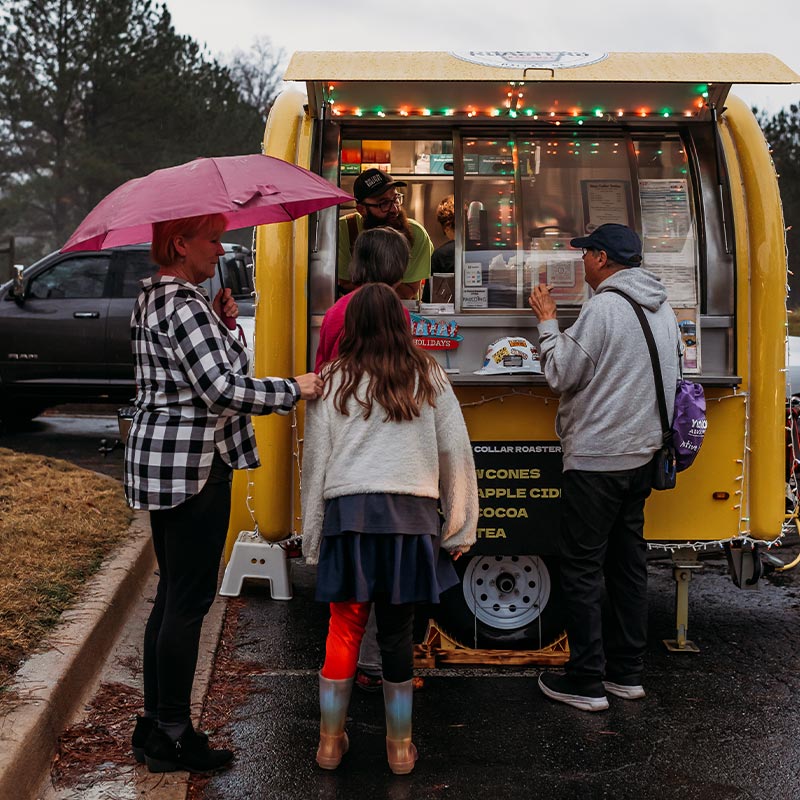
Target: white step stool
254, 557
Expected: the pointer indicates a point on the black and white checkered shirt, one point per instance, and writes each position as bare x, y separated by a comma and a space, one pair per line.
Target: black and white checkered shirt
193, 395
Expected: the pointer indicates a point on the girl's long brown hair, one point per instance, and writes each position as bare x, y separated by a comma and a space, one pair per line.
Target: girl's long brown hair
377, 341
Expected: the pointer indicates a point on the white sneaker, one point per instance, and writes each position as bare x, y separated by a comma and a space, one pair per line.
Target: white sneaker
563, 690
624, 691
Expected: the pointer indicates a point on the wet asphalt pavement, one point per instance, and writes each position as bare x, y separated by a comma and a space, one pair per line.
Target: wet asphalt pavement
75, 437
718, 725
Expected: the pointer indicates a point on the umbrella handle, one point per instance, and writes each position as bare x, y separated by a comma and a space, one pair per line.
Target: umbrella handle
230, 322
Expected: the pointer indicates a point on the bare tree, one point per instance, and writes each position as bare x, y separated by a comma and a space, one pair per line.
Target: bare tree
258, 73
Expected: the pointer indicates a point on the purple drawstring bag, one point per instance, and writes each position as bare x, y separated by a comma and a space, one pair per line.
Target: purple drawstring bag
689, 423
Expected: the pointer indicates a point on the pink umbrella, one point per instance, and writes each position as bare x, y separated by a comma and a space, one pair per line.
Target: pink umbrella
247, 190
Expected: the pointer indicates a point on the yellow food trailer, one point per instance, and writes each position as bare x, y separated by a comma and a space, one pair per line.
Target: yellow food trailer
537, 148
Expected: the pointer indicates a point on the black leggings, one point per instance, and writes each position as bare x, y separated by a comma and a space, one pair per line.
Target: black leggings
188, 541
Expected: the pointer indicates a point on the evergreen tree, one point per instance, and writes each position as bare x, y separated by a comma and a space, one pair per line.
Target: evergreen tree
94, 92
782, 131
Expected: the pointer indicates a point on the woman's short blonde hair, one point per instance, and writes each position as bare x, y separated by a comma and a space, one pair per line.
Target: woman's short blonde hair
162, 248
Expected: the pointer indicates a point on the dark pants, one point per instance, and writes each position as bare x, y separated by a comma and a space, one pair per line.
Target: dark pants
602, 536
396, 640
188, 541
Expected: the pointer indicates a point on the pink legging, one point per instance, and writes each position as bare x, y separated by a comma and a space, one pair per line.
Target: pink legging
346, 629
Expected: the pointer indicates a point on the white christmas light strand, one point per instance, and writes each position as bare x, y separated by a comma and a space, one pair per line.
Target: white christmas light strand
743, 533
248, 501
256, 295
742, 536
512, 393
296, 442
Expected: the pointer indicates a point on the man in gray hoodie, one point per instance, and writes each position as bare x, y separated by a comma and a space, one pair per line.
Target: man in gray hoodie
609, 426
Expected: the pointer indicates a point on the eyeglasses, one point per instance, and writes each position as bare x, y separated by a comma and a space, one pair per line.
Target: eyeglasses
587, 250
387, 205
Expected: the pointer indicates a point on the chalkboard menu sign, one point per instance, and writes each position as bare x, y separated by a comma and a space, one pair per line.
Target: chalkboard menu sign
520, 490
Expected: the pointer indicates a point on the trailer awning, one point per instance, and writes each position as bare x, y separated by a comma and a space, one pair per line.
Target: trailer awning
536, 85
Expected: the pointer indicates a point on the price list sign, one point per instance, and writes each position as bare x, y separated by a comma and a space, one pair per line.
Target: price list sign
519, 484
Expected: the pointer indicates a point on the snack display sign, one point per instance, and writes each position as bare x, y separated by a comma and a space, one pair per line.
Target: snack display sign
433, 334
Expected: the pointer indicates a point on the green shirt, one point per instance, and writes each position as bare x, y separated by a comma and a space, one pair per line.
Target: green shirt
419, 264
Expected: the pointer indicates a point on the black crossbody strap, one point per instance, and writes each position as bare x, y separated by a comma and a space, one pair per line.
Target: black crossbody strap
651, 346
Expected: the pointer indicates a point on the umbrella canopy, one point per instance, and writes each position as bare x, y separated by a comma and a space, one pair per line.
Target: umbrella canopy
248, 190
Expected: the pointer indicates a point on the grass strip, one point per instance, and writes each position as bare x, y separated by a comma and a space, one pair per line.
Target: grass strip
58, 522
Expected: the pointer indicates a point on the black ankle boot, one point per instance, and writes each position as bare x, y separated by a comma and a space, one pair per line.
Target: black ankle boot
144, 725
190, 752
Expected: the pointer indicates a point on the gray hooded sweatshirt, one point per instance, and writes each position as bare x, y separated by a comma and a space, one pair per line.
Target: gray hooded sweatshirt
600, 367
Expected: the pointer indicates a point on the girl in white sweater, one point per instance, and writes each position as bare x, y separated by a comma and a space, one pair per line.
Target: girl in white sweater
384, 446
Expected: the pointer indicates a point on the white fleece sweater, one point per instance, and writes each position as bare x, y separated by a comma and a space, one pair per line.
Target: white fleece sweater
428, 456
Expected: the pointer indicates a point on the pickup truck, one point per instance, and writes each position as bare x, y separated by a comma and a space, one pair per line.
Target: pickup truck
65, 326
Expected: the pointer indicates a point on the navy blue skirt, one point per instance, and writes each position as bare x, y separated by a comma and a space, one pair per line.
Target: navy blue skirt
382, 544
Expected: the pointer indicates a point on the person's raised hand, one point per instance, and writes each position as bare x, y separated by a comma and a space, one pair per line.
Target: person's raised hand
224, 305
542, 303
310, 385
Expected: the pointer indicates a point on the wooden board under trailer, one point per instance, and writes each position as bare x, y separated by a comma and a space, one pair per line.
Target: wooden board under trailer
440, 649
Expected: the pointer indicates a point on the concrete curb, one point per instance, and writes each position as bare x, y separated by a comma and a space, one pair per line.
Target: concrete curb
53, 684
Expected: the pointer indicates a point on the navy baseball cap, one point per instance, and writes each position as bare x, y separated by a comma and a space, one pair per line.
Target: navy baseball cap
372, 182
622, 245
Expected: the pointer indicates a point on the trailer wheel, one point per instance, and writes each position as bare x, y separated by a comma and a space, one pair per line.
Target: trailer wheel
503, 602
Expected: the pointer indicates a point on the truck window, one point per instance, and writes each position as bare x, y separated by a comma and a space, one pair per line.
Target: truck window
237, 275
135, 266
80, 277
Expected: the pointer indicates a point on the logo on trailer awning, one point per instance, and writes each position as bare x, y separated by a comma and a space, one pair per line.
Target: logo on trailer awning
530, 59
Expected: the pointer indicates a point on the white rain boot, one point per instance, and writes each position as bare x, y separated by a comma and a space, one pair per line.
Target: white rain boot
398, 700
334, 698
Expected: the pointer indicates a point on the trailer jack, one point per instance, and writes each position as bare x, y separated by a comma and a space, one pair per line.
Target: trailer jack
684, 563
744, 564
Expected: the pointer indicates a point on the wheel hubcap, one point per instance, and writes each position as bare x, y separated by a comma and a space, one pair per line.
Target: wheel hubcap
506, 592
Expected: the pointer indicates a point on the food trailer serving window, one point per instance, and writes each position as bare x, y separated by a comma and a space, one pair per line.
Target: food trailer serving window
533, 157
521, 196
525, 197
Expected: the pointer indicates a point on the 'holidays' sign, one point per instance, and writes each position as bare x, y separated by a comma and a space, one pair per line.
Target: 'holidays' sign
432, 334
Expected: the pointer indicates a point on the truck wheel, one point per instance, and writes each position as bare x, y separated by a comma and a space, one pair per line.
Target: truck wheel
503, 602
14, 416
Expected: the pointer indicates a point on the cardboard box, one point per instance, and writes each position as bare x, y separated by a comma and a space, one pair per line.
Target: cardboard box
470, 164
442, 164
495, 165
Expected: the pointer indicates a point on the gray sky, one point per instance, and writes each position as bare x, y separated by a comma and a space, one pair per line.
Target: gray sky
606, 25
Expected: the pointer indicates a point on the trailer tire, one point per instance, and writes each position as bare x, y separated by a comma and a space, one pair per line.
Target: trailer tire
503, 602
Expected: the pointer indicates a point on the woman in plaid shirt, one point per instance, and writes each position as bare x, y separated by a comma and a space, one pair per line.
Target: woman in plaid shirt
190, 430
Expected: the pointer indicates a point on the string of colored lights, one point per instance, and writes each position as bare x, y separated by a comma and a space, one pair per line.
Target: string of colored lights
513, 106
